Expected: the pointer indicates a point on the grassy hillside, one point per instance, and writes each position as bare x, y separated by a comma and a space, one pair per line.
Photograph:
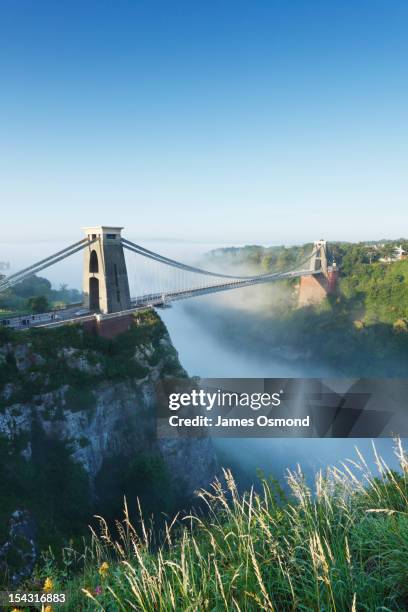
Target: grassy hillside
342, 546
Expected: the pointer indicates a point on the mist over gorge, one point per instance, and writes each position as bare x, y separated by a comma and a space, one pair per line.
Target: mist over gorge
260, 332
199, 335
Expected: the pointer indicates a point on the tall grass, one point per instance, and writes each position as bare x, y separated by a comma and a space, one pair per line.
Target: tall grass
342, 545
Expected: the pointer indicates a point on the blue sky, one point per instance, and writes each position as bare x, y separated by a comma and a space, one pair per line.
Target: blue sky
258, 121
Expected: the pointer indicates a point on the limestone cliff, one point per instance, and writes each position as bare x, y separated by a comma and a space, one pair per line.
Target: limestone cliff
97, 398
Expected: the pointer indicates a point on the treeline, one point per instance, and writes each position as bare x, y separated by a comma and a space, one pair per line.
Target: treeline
265, 259
35, 294
370, 289
279, 258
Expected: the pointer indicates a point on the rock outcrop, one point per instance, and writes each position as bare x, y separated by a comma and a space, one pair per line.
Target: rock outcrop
98, 397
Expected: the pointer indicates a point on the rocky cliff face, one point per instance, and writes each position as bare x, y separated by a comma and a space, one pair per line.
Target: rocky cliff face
97, 398
121, 422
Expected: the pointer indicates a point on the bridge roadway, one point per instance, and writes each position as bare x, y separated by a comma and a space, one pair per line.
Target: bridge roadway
76, 313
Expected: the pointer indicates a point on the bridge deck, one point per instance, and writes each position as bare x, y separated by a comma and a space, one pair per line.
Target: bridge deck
75, 313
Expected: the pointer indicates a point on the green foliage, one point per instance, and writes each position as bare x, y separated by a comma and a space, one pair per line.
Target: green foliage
80, 398
265, 259
38, 304
8, 368
343, 546
115, 359
23, 298
83, 442
51, 486
378, 292
33, 287
60, 489
144, 478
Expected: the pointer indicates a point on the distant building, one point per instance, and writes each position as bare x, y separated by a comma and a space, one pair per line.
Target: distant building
397, 255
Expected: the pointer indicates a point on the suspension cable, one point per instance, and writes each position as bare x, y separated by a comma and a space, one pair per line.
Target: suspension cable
17, 277
172, 262
44, 260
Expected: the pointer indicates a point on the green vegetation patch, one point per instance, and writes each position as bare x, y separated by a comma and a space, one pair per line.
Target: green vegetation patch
342, 546
35, 295
50, 486
63, 349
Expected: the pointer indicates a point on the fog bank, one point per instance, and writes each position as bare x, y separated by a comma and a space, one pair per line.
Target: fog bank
203, 353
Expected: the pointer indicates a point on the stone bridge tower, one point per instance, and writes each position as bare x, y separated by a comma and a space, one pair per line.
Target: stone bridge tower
313, 289
105, 279
319, 259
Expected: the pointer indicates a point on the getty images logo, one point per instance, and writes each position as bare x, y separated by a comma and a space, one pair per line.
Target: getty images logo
209, 400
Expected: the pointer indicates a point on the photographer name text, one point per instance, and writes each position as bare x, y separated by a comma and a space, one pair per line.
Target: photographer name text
209, 401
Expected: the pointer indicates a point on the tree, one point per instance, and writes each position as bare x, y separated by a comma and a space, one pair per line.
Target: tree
388, 250
38, 304
33, 286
